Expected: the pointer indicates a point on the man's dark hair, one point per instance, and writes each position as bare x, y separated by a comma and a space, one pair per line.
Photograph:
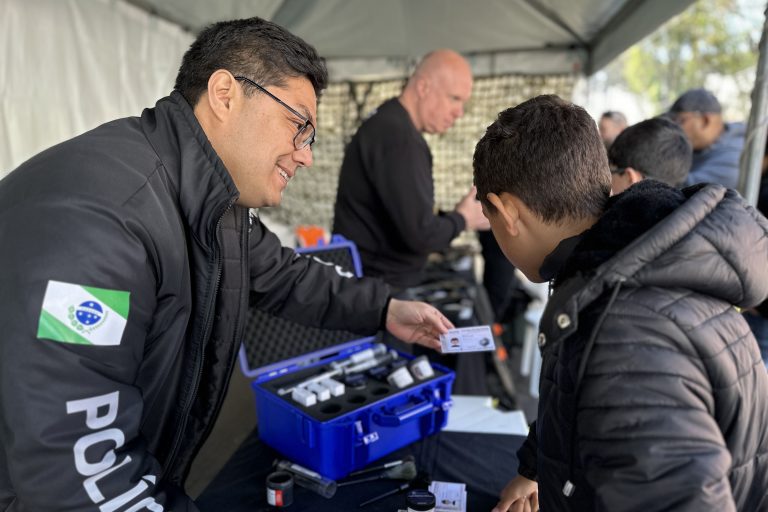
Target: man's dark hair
255, 48
615, 116
548, 153
657, 148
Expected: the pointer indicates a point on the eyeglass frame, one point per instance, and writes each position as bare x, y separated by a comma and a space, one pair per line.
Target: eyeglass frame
296, 144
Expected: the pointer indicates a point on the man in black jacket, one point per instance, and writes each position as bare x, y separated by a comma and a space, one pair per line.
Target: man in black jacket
129, 258
385, 200
653, 393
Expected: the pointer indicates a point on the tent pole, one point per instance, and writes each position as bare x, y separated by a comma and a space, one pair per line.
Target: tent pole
751, 160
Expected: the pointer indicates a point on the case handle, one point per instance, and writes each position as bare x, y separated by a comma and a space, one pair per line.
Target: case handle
403, 415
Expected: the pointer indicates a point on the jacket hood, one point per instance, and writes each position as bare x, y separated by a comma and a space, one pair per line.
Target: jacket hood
704, 238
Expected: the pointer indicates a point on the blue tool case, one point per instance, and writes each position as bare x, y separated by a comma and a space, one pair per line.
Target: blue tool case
373, 417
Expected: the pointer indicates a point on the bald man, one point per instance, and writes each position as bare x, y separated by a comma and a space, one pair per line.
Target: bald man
385, 199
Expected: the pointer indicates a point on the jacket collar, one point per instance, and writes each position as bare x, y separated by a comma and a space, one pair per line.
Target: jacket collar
700, 239
554, 261
204, 186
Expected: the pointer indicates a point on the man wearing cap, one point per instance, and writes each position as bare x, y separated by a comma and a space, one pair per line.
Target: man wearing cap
716, 145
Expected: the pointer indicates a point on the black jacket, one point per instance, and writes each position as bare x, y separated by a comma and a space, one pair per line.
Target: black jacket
653, 395
141, 212
385, 201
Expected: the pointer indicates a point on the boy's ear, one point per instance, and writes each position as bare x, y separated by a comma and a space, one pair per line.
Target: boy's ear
634, 175
507, 212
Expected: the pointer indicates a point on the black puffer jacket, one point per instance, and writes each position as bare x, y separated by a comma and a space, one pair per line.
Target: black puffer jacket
133, 229
645, 354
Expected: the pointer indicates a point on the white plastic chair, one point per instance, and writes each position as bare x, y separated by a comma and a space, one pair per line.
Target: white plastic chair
530, 360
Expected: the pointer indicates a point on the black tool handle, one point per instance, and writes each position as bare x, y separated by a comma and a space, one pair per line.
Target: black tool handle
382, 466
361, 480
385, 495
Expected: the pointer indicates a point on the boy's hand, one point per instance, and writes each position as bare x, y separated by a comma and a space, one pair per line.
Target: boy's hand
519, 495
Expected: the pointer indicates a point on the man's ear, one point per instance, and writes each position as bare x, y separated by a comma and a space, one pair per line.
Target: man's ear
707, 119
223, 92
634, 175
507, 212
423, 86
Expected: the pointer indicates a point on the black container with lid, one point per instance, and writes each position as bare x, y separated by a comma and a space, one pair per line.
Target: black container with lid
419, 500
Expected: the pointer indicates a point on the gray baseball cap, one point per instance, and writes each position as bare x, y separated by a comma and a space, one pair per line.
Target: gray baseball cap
696, 100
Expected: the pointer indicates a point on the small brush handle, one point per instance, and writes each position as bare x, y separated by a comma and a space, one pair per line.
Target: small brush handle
385, 495
361, 480
378, 468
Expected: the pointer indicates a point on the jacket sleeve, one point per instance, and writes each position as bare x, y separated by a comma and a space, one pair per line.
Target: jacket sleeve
77, 294
647, 435
401, 172
306, 290
526, 455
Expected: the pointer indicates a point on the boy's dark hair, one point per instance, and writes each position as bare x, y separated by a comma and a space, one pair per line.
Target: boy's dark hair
548, 153
255, 48
657, 148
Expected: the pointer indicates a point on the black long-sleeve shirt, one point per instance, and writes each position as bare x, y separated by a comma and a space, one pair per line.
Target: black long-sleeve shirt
385, 199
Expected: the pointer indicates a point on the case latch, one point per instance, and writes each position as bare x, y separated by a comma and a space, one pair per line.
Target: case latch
366, 439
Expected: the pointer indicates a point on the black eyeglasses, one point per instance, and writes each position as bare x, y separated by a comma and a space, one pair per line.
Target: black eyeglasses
306, 134
618, 170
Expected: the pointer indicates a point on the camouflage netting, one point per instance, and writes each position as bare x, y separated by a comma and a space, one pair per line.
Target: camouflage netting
310, 196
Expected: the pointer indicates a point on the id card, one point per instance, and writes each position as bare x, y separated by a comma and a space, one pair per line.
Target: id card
467, 339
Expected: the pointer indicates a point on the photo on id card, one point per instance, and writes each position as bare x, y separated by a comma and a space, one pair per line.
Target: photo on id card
467, 339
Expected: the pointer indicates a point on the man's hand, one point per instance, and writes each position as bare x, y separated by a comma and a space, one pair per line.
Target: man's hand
469, 208
519, 495
416, 322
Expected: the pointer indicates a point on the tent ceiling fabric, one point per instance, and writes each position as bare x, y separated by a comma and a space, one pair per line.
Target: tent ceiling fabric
592, 32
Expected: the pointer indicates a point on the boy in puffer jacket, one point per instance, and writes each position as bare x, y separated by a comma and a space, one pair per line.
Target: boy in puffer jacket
653, 395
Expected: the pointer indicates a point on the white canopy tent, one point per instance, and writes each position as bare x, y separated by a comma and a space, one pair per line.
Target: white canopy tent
71, 64
532, 36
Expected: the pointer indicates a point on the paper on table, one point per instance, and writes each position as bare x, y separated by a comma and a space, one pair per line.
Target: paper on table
476, 414
449, 496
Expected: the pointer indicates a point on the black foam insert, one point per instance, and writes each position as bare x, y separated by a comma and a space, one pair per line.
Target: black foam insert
352, 399
269, 339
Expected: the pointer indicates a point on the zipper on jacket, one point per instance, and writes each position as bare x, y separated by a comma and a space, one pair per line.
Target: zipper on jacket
244, 239
190, 398
570, 487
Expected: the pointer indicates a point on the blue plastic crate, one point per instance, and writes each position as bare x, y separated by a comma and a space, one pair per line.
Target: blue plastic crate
348, 432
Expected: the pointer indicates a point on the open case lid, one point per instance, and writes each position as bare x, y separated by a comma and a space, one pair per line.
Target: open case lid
273, 345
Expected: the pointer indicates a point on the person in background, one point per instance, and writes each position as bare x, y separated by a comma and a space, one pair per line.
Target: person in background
653, 393
385, 198
611, 124
128, 265
717, 145
652, 149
